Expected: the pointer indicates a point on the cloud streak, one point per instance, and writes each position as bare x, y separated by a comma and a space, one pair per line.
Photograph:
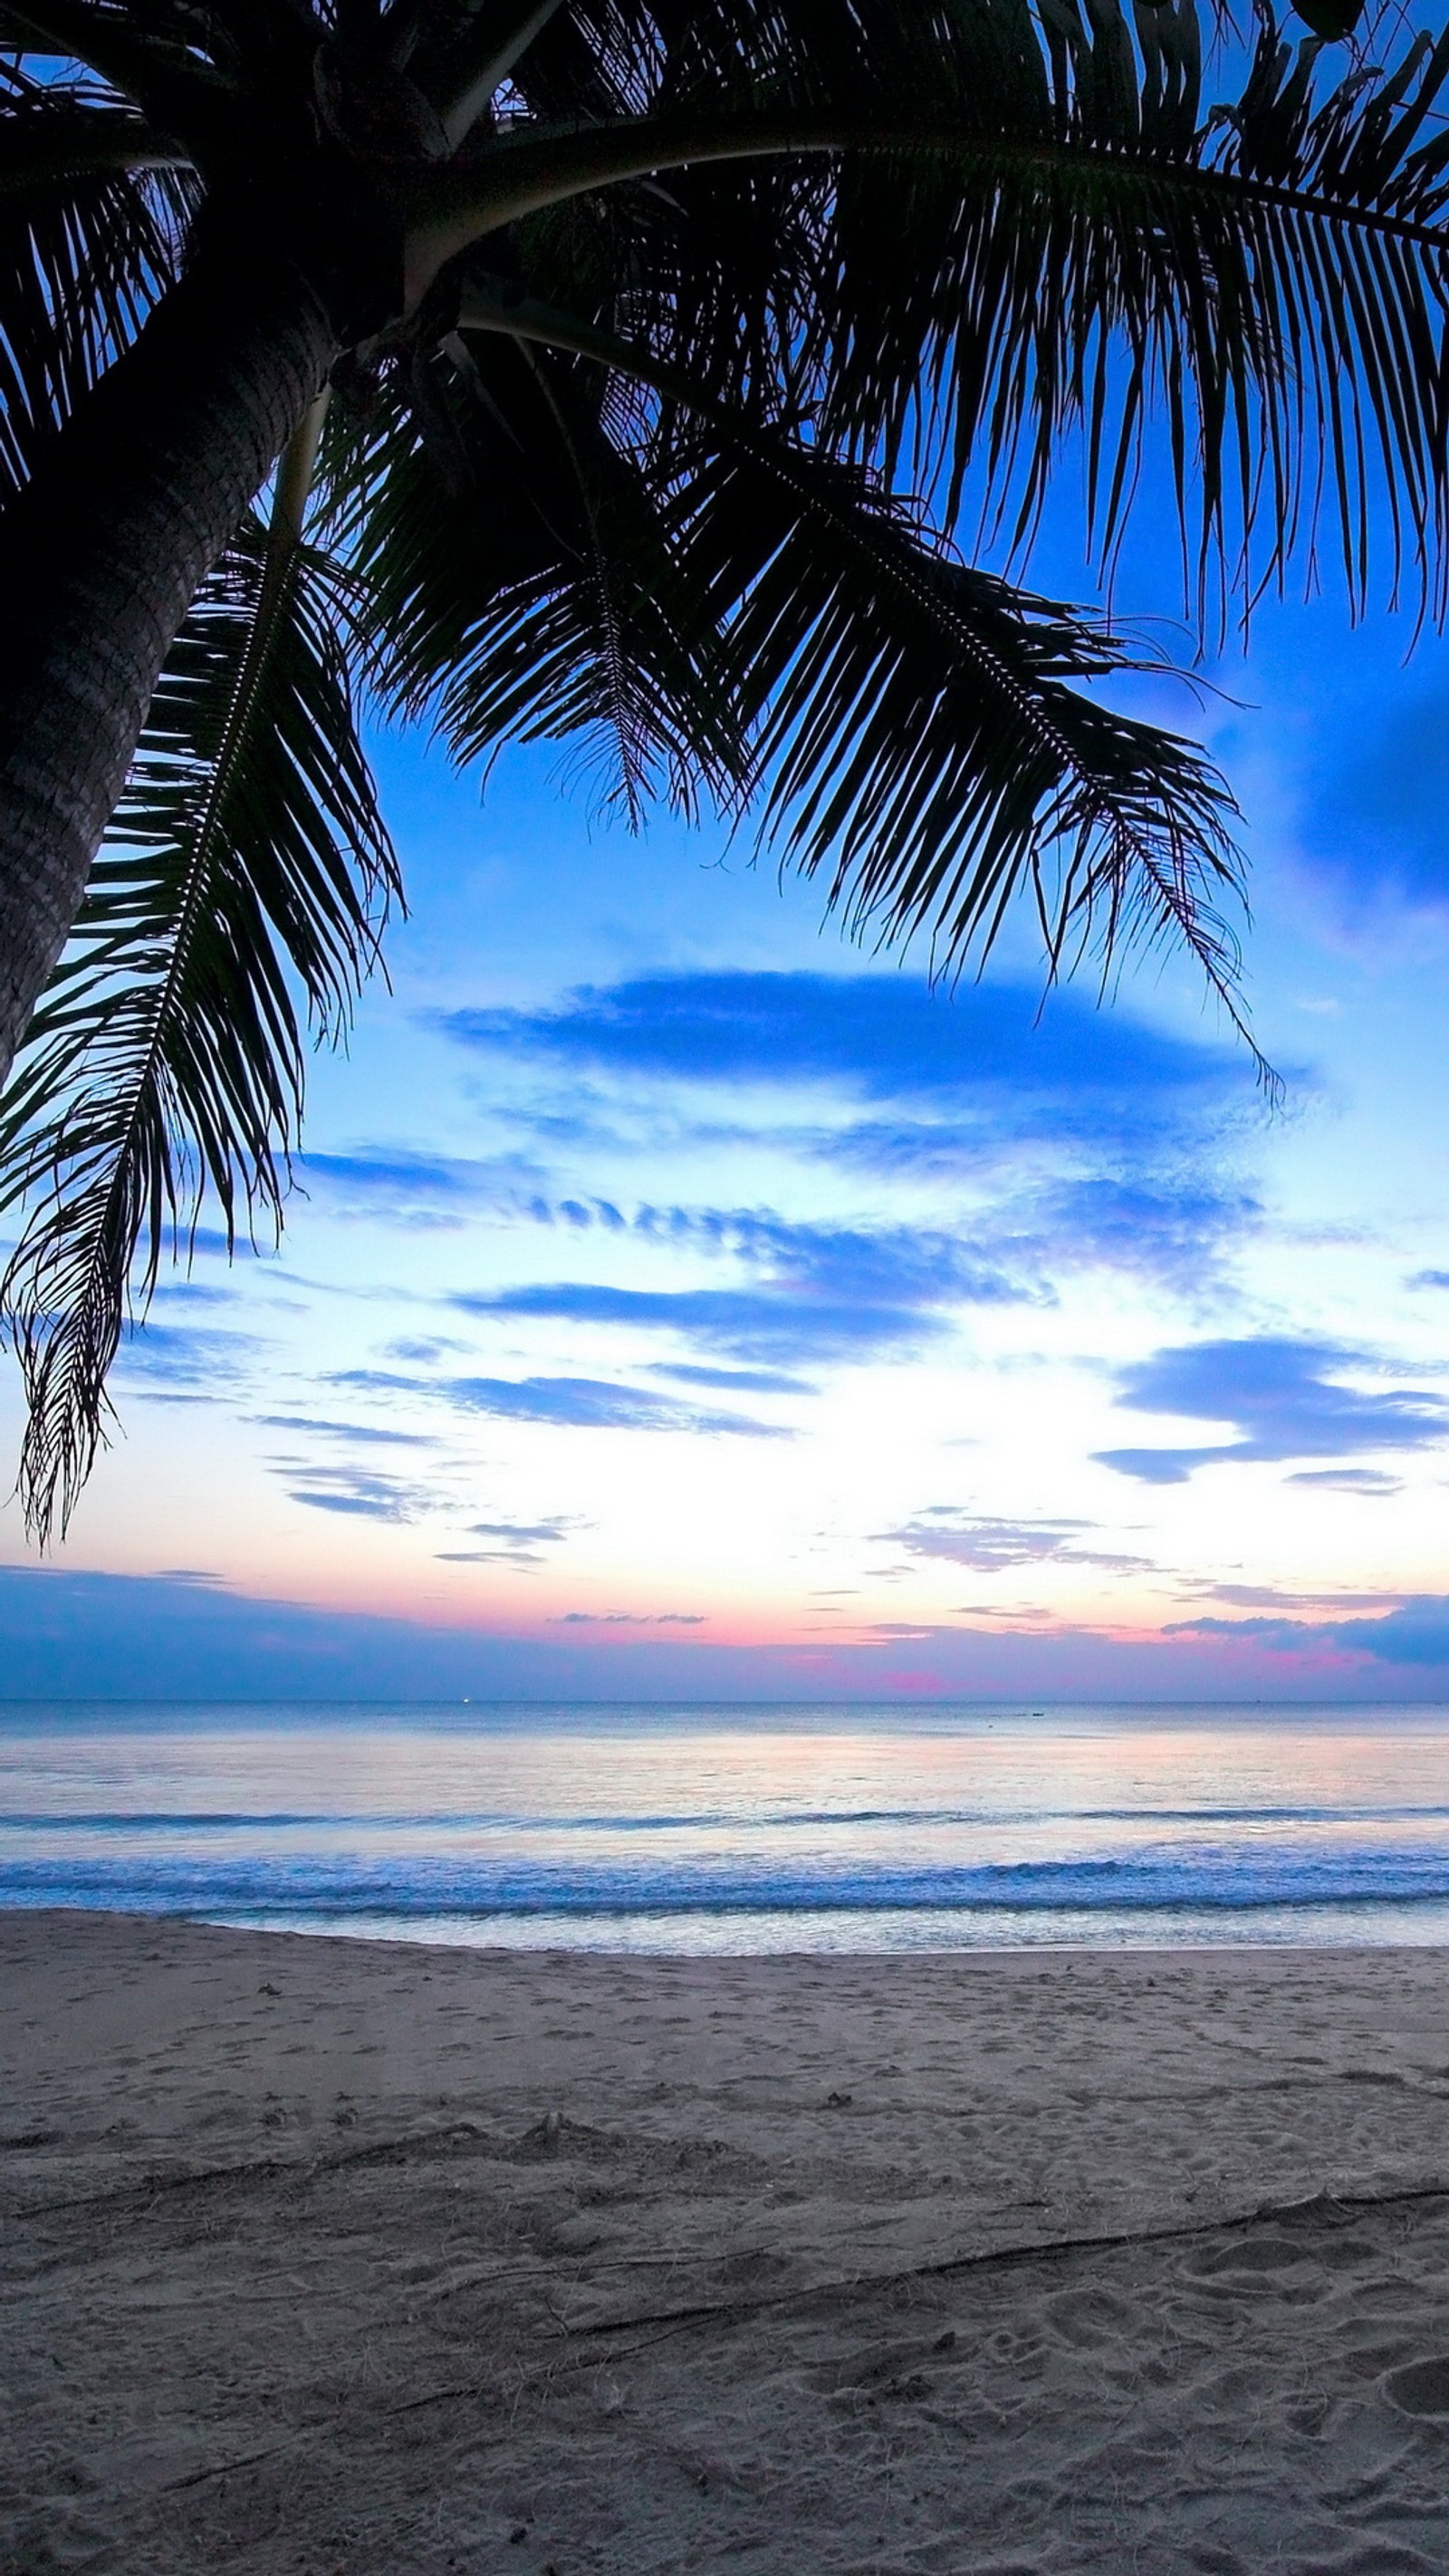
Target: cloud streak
569, 1403
1283, 1397
521, 1543
189, 1357
360, 1431
748, 1324
990, 1546
740, 1381
882, 1037
828, 1292
419, 1192
1161, 1226
997, 1546
360, 1493
631, 1619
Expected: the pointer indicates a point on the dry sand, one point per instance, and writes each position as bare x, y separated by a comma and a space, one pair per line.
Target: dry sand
328, 2256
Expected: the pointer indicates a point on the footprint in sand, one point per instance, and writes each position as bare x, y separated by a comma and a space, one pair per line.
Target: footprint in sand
1421, 2387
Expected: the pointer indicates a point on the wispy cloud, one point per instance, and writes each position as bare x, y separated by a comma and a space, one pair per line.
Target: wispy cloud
828, 1292
1163, 1228
755, 1324
209, 1243
519, 1543
1275, 1596
364, 1431
883, 1037
360, 1492
549, 1533
631, 1619
423, 1350
186, 1292
194, 1357
577, 1403
913, 1263
741, 1381
418, 1192
1374, 1482
990, 1546
1283, 1397
522, 1559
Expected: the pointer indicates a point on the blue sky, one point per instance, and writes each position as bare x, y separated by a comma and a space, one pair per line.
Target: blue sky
679, 1301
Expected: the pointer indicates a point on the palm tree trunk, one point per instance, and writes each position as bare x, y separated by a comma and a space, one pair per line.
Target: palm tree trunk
102, 554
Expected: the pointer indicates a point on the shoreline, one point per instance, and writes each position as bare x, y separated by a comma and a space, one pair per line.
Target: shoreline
333, 2252
892, 1842
452, 1936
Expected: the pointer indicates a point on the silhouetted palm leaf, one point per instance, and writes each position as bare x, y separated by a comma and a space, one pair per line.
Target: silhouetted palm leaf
920, 739
84, 252
248, 868
570, 613
910, 723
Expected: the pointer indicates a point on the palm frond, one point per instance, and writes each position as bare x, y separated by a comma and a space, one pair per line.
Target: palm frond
1263, 291
84, 253
923, 735
926, 735
929, 738
523, 578
999, 228
247, 867
160, 54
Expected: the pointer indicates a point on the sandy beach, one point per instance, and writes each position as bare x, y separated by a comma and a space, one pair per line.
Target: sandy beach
335, 2256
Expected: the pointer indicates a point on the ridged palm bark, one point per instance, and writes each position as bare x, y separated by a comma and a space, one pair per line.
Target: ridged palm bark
103, 551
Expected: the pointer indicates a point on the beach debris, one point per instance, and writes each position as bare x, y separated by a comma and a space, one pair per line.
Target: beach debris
555, 2134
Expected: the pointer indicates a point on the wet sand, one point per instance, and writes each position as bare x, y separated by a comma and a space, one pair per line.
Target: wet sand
330, 2256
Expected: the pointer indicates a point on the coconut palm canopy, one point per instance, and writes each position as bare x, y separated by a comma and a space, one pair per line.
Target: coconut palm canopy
615, 372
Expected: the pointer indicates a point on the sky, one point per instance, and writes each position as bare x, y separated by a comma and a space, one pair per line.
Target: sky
678, 1301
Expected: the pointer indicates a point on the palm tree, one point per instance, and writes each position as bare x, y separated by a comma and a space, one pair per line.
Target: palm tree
617, 371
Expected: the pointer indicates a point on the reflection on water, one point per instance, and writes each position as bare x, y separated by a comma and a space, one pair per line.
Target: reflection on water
752, 1830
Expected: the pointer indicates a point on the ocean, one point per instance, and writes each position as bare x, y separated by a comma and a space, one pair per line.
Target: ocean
698, 1830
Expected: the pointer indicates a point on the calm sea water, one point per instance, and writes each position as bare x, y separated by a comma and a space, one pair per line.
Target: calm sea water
692, 1829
